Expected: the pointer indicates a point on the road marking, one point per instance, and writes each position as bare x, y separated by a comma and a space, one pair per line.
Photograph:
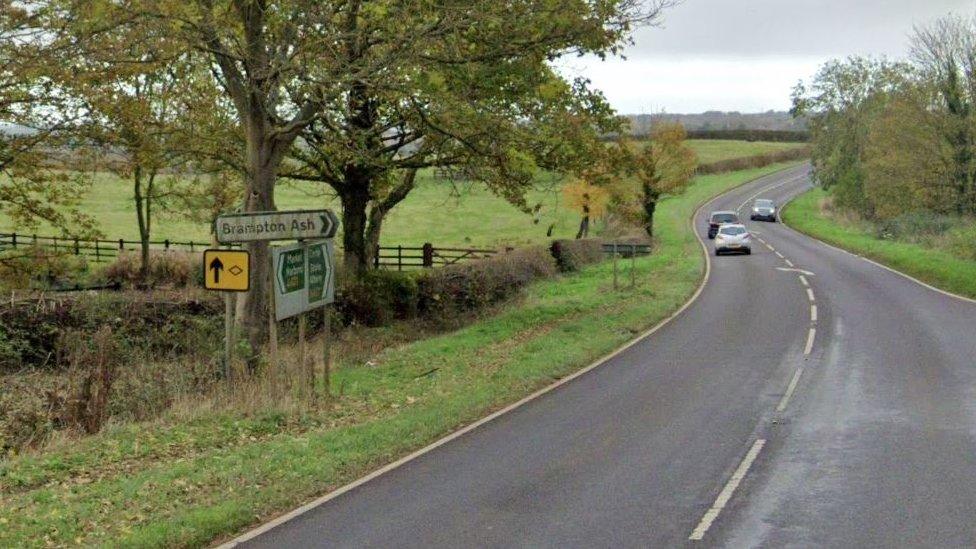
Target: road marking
813, 313
789, 263
726, 494
810, 337
803, 280
789, 390
781, 256
772, 249
810, 295
795, 270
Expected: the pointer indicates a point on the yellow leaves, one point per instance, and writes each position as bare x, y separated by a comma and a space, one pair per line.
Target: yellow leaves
586, 198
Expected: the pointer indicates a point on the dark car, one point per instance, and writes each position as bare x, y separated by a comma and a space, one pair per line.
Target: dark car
717, 219
763, 210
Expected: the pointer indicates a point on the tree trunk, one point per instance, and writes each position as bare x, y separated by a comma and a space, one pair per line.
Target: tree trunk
254, 305
650, 205
356, 253
584, 228
142, 216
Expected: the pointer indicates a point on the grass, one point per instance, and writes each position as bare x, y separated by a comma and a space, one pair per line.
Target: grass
936, 266
198, 475
467, 215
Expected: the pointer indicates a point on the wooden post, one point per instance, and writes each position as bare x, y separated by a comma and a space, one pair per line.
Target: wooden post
326, 352
272, 339
303, 369
615, 264
228, 336
399, 258
428, 255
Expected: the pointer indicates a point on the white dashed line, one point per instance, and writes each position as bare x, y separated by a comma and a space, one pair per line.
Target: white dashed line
810, 337
810, 295
789, 390
779, 255
813, 313
726, 494
803, 280
788, 262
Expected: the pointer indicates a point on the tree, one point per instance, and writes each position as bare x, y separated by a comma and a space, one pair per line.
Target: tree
945, 53
589, 200
478, 98
665, 167
31, 191
839, 103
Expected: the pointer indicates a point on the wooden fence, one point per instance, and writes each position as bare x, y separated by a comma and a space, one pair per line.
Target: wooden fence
101, 251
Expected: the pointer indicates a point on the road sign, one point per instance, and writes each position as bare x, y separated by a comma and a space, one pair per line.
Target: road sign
226, 270
304, 277
292, 225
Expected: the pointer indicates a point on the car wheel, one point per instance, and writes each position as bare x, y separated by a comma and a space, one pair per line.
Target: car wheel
748, 251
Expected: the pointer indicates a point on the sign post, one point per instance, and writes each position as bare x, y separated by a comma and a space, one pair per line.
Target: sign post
227, 271
302, 276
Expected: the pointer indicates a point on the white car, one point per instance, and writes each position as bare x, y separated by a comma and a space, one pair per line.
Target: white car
734, 239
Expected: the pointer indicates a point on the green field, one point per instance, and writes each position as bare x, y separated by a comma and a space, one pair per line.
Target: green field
446, 215
189, 478
933, 265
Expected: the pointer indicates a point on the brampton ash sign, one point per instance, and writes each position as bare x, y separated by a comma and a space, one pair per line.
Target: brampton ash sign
291, 225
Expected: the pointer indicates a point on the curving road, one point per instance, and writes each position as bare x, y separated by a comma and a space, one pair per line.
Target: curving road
835, 409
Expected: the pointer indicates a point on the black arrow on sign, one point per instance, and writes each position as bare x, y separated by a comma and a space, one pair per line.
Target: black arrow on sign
216, 266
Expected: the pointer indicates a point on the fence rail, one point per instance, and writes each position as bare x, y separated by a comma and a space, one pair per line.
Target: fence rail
102, 250
97, 250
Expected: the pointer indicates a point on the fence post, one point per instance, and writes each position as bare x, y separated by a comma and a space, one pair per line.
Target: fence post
399, 258
77, 247
166, 243
121, 244
376, 257
428, 254
98, 255
14, 239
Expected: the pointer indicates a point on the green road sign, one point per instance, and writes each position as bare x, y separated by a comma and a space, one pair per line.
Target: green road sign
291, 271
304, 277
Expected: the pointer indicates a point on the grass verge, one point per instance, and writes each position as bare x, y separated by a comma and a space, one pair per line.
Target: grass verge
188, 479
937, 267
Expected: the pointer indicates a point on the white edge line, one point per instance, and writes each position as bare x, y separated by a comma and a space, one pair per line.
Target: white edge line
810, 338
779, 255
813, 313
726, 494
876, 264
270, 525
810, 295
789, 390
804, 281
789, 263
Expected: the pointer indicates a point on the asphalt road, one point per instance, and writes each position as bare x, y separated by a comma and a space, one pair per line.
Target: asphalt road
736, 423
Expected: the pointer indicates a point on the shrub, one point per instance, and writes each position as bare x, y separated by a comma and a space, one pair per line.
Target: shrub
915, 226
35, 267
755, 161
377, 298
962, 242
573, 255
168, 268
450, 290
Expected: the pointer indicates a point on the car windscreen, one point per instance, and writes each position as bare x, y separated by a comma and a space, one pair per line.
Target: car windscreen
724, 218
732, 231
764, 203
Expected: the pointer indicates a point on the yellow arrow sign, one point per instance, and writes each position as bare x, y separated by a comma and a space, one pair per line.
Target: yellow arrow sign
226, 270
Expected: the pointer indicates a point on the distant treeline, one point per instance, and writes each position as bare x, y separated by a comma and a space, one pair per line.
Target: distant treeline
754, 161
777, 136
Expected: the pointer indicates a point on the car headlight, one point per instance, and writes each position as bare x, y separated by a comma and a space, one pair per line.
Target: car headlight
755, 210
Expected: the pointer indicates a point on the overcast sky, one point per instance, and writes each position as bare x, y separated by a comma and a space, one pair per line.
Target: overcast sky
747, 55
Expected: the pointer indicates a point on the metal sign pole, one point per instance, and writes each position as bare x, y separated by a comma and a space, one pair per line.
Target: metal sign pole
615, 264
633, 265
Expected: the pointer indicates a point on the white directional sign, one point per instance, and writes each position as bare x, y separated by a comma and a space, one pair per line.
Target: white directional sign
304, 277
292, 225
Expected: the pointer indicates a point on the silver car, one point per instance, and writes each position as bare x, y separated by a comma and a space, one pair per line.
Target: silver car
733, 239
763, 210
